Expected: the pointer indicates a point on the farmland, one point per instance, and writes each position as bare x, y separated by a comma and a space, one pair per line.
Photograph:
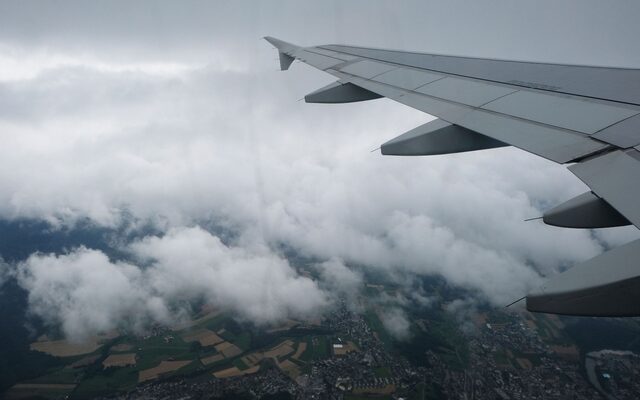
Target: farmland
211, 344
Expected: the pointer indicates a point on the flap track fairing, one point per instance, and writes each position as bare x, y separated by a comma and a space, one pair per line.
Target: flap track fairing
585, 211
340, 92
438, 137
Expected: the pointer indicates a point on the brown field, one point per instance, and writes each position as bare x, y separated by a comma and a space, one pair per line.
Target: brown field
121, 347
163, 368
205, 337
289, 368
252, 359
280, 350
346, 348
524, 363
570, 352
37, 390
63, 348
302, 346
212, 359
234, 371
120, 360
228, 349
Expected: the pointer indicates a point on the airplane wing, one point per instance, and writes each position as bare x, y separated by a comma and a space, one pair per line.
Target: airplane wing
584, 115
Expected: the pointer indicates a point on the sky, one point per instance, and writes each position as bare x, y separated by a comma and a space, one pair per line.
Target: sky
175, 114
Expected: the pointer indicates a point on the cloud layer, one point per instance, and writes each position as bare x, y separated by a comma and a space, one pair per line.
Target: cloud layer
185, 124
84, 292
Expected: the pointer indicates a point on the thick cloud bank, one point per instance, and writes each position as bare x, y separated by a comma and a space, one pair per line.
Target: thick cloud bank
84, 292
185, 121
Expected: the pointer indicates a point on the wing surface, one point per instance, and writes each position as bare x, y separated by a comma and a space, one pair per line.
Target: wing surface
586, 115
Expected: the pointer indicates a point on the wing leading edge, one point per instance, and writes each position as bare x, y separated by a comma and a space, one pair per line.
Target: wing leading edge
588, 116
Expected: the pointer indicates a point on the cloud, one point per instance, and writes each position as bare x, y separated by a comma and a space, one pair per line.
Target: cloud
340, 279
234, 148
464, 311
84, 292
396, 323
179, 118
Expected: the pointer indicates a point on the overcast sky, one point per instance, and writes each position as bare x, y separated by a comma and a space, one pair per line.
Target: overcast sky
175, 113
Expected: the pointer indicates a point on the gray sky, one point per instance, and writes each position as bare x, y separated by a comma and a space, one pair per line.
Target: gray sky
175, 113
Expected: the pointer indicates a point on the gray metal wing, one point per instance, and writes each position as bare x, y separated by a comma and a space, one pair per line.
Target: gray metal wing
586, 115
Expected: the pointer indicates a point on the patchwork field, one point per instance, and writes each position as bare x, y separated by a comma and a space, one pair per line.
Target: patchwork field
120, 360
253, 358
205, 337
235, 371
302, 347
280, 350
121, 347
570, 352
163, 368
228, 349
64, 348
289, 368
346, 348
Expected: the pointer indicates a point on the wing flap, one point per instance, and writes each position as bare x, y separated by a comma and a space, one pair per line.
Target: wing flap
615, 177
623, 134
563, 112
555, 144
607, 286
405, 78
466, 91
366, 69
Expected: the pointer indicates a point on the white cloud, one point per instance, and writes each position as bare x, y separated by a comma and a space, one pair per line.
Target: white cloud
237, 149
395, 322
339, 278
84, 292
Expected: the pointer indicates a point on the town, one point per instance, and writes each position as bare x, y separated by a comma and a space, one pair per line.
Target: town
506, 360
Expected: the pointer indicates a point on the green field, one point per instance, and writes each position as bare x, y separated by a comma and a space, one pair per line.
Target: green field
377, 326
317, 348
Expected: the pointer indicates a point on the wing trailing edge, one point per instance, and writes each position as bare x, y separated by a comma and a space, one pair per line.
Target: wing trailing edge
605, 286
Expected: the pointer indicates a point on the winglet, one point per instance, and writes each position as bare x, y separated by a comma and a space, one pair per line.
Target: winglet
286, 51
